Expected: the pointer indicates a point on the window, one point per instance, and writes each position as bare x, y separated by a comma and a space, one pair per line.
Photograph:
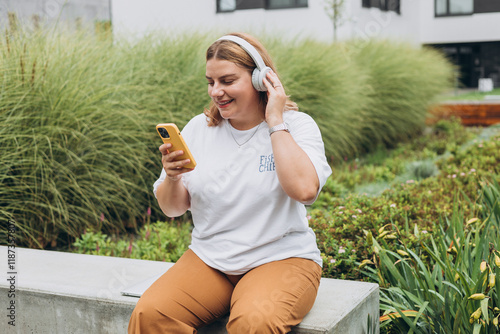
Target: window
385, 5
226, 5
453, 7
232, 5
274, 4
486, 6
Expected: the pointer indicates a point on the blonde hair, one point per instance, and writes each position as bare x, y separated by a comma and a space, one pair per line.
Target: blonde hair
230, 51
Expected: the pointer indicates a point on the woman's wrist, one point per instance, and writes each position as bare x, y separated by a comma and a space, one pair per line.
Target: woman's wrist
273, 121
174, 179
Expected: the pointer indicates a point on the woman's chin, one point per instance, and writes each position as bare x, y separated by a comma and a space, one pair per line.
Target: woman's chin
225, 113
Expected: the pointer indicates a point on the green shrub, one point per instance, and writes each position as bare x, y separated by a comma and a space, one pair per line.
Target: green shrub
328, 85
401, 88
362, 94
340, 215
74, 151
392, 166
423, 169
451, 283
160, 241
168, 77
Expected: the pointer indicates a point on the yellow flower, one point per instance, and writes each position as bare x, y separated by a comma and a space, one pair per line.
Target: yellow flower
476, 314
491, 283
364, 263
383, 234
477, 296
391, 236
369, 239
402, 252
473, 220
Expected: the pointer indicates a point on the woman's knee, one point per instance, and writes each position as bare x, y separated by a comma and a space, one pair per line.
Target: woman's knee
145, 312
148, 318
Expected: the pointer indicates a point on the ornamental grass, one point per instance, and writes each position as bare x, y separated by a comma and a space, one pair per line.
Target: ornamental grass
78, 110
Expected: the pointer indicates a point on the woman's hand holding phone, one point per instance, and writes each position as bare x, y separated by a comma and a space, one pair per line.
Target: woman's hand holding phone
173, 167
176, 157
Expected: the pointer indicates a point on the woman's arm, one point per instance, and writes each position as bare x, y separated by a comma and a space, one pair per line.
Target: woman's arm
296, 172
173, 198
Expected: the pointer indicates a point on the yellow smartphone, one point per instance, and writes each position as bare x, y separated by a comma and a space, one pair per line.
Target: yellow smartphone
169, 133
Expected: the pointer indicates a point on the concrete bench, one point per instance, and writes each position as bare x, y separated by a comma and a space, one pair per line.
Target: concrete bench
58, 292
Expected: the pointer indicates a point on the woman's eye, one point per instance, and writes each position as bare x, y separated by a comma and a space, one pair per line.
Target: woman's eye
225, 82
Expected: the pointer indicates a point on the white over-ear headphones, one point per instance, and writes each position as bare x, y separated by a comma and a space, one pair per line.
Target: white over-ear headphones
259, 73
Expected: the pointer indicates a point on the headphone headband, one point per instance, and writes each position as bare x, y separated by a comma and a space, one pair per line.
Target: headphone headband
259, 73
249, 48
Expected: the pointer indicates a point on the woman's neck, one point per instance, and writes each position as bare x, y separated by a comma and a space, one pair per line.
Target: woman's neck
248, 122
244, 125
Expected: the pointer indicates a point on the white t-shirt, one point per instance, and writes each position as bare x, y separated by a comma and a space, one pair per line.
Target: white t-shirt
242, 217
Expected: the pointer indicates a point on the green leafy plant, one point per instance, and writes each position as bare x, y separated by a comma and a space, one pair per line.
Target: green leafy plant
451, 283
160, 241
341, 214
423, 169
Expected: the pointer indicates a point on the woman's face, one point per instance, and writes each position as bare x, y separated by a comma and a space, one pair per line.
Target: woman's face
230, 88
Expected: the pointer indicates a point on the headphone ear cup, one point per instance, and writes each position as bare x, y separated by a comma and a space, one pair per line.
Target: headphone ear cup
256, 74
258, 77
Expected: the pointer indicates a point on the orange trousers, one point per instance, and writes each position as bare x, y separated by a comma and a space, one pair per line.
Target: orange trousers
271, 298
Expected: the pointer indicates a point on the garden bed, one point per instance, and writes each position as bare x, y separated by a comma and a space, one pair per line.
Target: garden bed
427, 189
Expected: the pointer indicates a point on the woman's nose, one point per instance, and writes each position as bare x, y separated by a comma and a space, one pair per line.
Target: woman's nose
216, 90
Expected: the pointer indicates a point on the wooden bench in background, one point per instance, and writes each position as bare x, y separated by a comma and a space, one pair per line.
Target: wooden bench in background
471, 113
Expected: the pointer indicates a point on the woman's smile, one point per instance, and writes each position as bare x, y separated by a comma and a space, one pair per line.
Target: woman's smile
224, 104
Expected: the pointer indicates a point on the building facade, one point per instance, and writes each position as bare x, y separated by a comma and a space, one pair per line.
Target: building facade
37, 13
468, 31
